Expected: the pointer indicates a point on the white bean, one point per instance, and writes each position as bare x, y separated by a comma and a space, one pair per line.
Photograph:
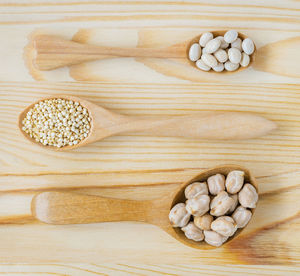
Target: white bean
234, 55
201, 65
219, 67
229, 66
221, 55
212, 45
237, 44
245, 60
230, 36
205, 38
195, 52
209, 60
224, 44
248, 46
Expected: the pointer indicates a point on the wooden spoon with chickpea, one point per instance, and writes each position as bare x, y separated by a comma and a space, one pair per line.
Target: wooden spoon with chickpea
73, 208
67, 122
52, 51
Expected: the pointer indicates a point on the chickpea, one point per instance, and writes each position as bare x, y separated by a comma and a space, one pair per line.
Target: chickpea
241, 216
204, 222
198, 205
178, 216
192, 232
221, 204
235, 203
234, 181
213, 238
196, 188
216, 183
248, 196
224, 225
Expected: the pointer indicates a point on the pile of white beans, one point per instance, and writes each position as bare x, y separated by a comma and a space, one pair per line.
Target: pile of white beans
215, 209
227, 52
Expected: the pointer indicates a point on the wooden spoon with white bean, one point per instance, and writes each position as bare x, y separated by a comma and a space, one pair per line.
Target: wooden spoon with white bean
62, 123
73, 208
52, 51
224, 57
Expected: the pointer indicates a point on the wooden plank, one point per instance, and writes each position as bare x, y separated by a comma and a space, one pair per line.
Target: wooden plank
143, 269
103, 242
141, 167
149, 167
274, 28
278, 152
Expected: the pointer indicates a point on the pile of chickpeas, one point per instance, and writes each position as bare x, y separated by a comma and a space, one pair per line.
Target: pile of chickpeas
215, 209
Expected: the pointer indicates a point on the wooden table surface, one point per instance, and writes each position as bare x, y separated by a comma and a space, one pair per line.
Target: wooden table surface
142, 167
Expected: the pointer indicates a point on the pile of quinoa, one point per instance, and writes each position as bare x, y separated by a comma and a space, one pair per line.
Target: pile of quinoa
57, 122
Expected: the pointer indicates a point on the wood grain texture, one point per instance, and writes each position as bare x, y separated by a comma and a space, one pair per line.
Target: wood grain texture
274, 61
273, 25
53, 52
122, 269
138, 152
142, 167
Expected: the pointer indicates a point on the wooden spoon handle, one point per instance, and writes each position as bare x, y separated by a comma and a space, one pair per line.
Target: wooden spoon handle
53, 52
279, 58
72, 208
209, 125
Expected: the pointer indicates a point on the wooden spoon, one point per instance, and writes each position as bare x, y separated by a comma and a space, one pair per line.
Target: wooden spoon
72, 208
202, 125
52, 52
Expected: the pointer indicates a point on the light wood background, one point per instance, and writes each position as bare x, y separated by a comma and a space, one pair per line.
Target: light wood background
141, 167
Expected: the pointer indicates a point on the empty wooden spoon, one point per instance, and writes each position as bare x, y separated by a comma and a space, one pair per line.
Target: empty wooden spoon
73, 208
202, 125
52, 51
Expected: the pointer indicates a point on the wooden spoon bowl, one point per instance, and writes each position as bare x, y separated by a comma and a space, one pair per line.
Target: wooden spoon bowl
215, 34
202, 125
72, 208
32, 140
202, 177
